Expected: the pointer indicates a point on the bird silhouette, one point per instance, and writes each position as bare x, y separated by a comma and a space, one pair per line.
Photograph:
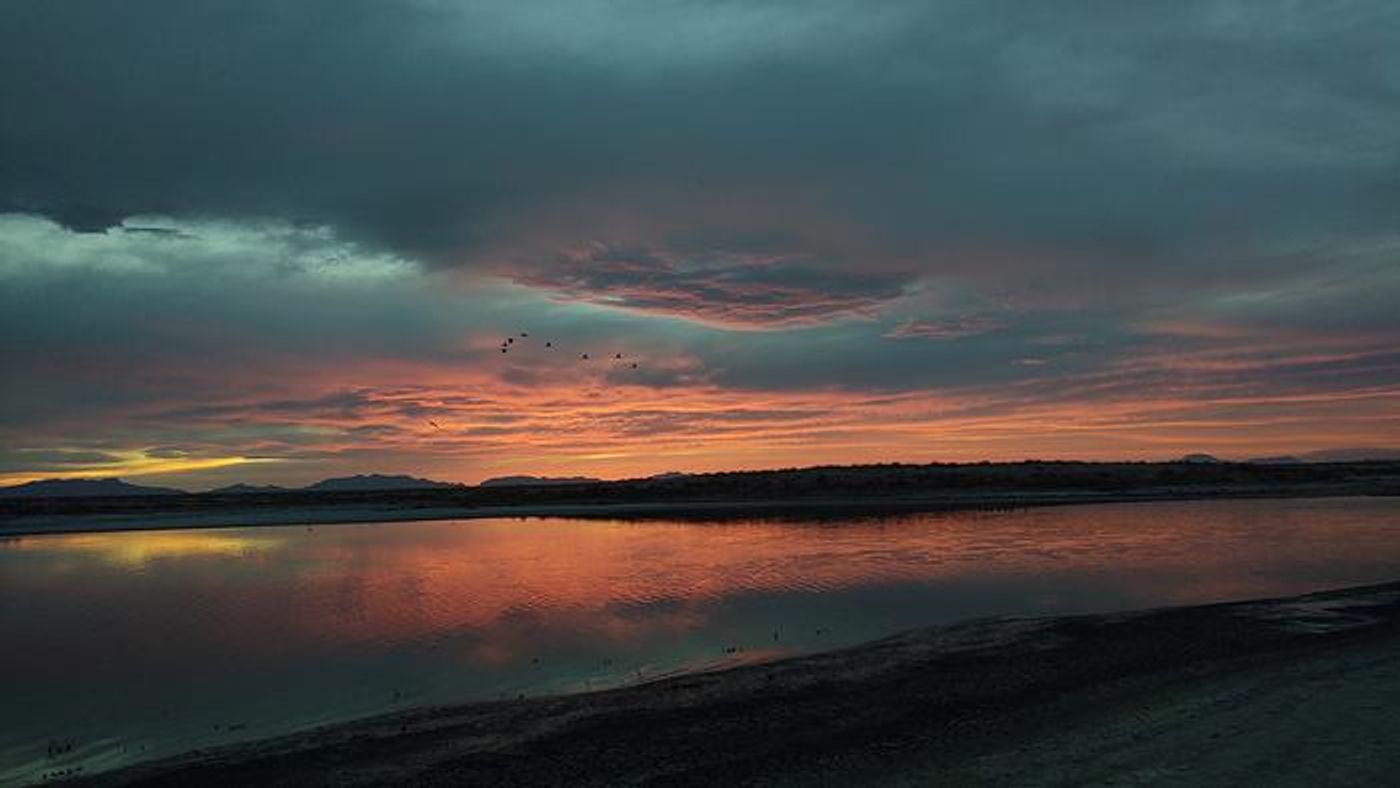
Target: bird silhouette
509, 342
435, 424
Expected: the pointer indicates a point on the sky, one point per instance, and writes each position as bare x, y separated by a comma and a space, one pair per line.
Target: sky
274, 242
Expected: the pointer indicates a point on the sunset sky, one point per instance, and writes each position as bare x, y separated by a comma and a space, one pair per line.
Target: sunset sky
274, 242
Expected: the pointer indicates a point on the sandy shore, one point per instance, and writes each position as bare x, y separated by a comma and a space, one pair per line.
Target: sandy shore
1298, 691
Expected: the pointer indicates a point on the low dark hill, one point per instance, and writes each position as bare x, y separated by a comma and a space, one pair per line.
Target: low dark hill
83, 488
377, 481
247, 489
526, 481
1351, 455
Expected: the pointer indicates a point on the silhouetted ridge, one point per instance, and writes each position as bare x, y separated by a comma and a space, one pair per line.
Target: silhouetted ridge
247, 489
376, 481
82, 488
529, 481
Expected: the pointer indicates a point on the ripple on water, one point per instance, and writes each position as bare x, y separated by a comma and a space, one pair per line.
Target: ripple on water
153, 639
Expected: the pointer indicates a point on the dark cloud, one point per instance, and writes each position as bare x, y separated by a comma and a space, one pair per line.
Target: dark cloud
51, 459
1107, 141
274, 213
736, 289
951, 328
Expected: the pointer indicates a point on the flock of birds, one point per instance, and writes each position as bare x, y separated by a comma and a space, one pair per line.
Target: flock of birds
509, 342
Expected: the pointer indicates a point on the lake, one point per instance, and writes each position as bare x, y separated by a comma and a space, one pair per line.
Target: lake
120, 647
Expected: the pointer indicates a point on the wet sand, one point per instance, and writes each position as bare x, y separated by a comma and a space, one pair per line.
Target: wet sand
1297, 691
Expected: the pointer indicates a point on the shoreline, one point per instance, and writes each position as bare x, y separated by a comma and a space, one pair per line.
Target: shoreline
234, 517
806, 492
1209, 694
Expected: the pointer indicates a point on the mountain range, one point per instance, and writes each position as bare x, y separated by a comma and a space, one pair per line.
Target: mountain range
102, 488
377, 481
82, 488
112, 487
1330, 455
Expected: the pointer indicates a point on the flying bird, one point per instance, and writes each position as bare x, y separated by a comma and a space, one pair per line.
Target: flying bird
583, 356
435, 424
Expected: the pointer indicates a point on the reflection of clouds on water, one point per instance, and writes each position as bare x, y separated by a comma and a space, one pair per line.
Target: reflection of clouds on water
136, 549
287, 627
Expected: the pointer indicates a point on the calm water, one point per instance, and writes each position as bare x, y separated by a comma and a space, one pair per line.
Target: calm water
139, 644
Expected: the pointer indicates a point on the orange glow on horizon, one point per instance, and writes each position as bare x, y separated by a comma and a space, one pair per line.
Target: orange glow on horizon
530, 414
134, 462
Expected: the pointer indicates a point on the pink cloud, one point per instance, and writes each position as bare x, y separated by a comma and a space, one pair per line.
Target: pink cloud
950, 328
734, 289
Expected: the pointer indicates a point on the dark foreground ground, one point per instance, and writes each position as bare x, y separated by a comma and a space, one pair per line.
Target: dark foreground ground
1301, 691
833, 491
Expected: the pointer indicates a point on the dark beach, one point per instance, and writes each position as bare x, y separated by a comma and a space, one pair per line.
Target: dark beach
1295, 691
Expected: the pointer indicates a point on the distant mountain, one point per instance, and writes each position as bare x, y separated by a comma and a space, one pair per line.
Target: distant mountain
246, 489
1330, 455
1351, 455
376, 481
537, 481
82, 488
1200, 459
661, 477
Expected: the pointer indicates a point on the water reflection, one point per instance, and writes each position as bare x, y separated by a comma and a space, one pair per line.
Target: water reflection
177, 639
137, 549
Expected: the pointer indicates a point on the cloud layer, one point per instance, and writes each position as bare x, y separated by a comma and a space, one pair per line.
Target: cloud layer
981, 210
